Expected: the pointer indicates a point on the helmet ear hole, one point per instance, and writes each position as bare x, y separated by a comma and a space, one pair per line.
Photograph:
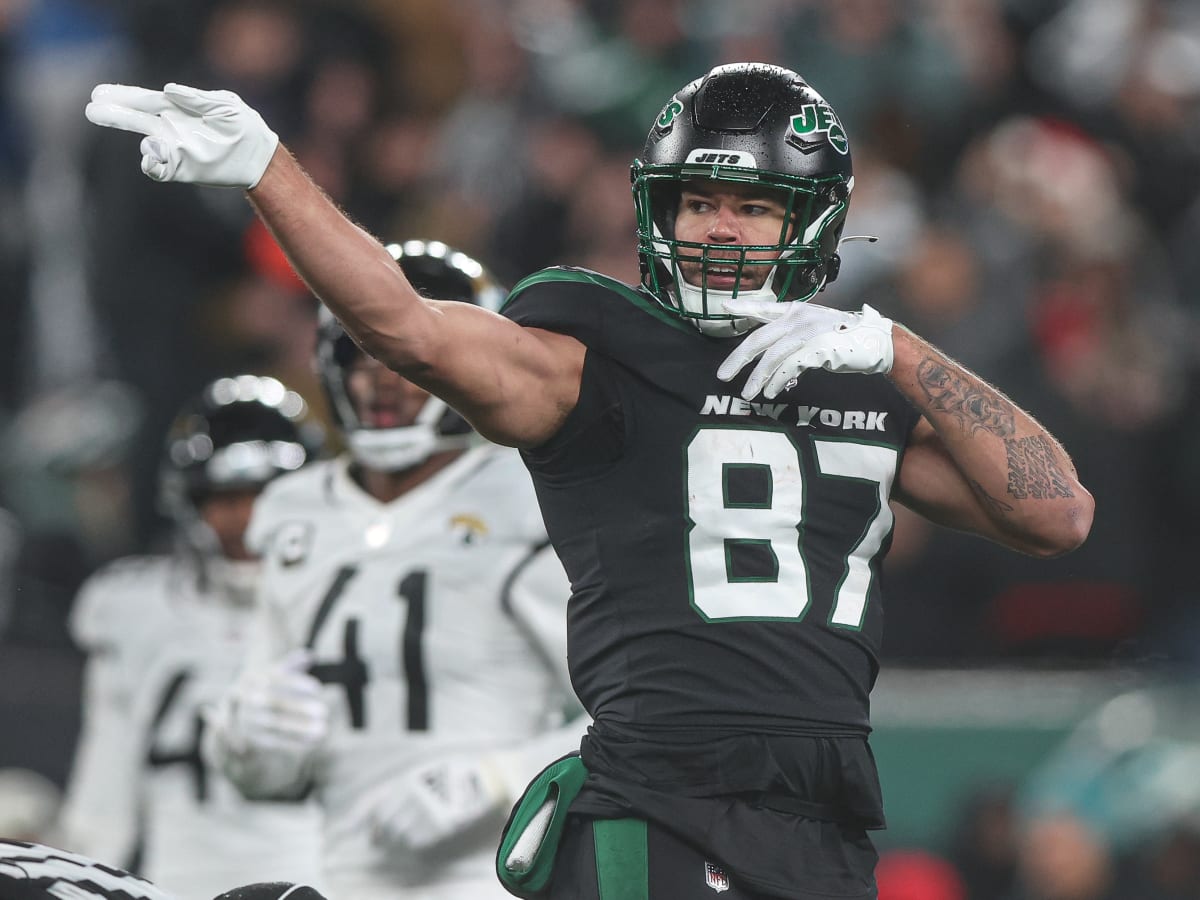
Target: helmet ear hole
834, 267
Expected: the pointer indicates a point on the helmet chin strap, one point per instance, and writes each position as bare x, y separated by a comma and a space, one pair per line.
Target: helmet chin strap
692, 298
397, 449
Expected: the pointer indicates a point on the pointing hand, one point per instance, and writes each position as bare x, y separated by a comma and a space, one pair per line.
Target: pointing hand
198, 137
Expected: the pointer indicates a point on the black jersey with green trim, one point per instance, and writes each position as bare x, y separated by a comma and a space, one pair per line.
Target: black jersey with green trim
724, 555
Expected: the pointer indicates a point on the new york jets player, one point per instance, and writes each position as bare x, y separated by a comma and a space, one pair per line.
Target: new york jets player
164, 636
722, 529
410, 588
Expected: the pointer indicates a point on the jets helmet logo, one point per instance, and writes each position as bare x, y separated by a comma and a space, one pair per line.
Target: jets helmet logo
817, 120
667, 116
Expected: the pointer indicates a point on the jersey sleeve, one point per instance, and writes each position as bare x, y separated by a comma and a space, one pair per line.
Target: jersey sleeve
576, 302
560, 299
536, 596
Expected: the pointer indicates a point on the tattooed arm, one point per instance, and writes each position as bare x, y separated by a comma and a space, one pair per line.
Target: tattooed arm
979, 463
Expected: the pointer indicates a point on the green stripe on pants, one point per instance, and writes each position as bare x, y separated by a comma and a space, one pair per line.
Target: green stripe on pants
622, 872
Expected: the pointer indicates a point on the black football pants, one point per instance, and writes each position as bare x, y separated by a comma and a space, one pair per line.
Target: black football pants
629, 859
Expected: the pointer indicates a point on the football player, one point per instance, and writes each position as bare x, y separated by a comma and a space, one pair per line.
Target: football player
714, 454
164, 635
412, 664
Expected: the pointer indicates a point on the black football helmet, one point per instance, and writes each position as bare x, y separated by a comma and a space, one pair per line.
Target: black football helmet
239, 433
436, 271
744, 122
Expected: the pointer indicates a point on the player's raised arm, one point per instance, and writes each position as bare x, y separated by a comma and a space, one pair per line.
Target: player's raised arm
515, 384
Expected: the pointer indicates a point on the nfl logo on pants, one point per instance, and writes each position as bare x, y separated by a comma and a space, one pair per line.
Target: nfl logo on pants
715, 877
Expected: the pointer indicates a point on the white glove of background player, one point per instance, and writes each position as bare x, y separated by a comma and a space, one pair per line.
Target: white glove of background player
802, 335
435, 802
279, 707
199, 137
265, 731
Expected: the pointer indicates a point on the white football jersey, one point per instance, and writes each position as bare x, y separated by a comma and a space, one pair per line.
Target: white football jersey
160, 649
438, 624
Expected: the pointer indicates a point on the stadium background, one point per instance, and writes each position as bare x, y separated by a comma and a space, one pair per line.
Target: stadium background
1031, 168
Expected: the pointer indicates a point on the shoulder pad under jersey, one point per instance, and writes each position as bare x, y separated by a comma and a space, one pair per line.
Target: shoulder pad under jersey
295, 496
578, 301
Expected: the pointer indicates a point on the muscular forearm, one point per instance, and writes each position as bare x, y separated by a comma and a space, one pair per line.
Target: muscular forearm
513, 385
1023, 480
347, 268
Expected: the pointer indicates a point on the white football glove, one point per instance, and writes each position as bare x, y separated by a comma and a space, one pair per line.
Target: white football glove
200, 137
279, 707
801, 335
265, 732
433, 803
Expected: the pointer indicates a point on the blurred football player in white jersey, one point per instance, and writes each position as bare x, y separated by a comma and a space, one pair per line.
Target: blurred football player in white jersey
165, 636
409, 587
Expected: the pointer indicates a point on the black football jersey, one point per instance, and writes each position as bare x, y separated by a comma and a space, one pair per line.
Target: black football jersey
724, 555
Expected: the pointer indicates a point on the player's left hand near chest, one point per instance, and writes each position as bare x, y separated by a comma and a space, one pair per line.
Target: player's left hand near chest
800, 335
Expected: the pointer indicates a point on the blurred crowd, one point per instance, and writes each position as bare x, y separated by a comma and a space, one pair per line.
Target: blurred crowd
1031, 169
1110, 813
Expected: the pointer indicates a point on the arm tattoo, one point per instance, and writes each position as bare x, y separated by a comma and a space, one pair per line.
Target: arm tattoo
974, 405
995, 504
1033, 472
